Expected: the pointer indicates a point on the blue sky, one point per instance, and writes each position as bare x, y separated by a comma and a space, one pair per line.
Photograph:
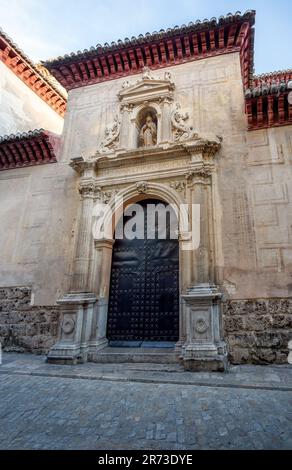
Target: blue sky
49, 28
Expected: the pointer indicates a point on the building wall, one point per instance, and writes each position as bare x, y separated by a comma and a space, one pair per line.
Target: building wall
21, 110
253, 200
252, 205
38, 211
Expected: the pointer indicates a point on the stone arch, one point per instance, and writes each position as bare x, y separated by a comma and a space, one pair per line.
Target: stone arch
137, 192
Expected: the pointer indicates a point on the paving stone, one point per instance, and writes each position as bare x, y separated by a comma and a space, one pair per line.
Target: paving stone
57, 412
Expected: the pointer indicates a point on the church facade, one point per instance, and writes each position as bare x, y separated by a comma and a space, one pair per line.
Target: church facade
175, 121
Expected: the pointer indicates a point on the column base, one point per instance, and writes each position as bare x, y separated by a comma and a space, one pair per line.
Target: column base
77, 312
204, 348
206, 364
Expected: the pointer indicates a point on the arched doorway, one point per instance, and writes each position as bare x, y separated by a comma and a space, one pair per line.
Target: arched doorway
144, 287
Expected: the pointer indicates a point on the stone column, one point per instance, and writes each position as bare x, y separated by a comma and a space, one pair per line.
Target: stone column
199, 187
78, 307
204, 348
80, 277
103, 248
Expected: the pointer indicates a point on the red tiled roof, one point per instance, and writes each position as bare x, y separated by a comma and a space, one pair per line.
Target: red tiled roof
28, 149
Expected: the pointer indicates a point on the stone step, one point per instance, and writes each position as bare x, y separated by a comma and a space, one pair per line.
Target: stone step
116, 355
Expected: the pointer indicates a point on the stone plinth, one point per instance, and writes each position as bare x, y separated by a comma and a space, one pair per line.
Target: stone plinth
204, 348
77, 318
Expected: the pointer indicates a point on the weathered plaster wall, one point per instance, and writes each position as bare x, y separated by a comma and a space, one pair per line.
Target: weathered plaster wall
252, 197
21, 110
38, 211
252, 205
256, 198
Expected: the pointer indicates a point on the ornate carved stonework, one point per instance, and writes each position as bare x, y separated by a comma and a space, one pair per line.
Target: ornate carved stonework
68, 325
88, 188
147, 88
111, 136
179, 186
79, 164
203, 172
182, 131
142, 187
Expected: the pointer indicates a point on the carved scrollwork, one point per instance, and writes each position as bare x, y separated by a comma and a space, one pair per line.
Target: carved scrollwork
89, 188
111, 136
182, 131
105, 196
203, 172
178, 185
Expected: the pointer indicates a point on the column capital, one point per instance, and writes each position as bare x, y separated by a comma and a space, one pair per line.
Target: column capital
88, 188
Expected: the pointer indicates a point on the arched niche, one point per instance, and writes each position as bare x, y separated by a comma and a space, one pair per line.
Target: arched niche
139, 118
147, 124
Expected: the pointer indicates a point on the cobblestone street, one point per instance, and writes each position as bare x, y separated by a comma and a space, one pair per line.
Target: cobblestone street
138, 406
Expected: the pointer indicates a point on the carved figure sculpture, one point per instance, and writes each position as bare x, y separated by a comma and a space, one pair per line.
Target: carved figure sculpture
148, 133
111, 135
181, 130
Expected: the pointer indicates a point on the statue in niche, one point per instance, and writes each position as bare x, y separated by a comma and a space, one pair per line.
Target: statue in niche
148, 133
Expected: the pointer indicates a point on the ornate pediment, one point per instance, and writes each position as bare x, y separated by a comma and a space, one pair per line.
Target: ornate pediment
147, 89
149, 118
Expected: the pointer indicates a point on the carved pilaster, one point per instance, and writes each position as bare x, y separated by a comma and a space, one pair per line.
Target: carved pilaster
125, 141
166, 130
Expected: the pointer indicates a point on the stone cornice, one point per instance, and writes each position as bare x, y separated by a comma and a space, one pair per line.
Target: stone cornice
79, 164
28, 149
36, 77
206, 147
232, 33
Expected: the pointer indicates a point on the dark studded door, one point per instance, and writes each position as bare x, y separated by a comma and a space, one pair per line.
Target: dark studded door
144, 293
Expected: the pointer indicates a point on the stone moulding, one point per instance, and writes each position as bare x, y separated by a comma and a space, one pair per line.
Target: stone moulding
206, 146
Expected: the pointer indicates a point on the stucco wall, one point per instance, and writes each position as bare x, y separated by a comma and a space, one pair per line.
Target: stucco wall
38, 211
252, 205
252, 197
21, 110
